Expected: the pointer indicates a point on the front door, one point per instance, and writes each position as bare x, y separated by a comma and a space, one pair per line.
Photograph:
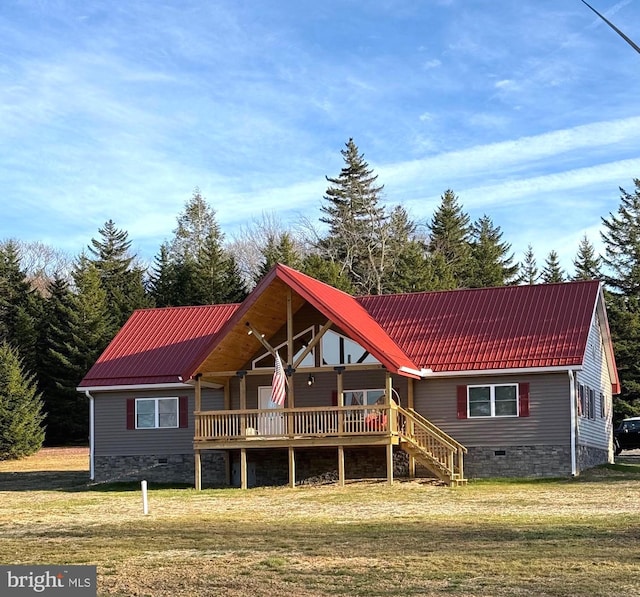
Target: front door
271, 423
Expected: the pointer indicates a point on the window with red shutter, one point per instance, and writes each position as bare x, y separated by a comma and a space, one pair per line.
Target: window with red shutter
462, 402
523, 399
183, 416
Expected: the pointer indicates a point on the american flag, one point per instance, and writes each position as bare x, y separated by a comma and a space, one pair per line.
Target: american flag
278, 390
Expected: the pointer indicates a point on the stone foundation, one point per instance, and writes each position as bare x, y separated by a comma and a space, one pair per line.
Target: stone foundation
161, 468
589, 457
518, 461
270, 467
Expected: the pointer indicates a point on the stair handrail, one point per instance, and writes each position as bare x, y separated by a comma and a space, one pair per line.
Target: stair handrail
434, 429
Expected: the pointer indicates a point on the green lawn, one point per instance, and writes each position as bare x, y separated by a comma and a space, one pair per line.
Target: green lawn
578, 537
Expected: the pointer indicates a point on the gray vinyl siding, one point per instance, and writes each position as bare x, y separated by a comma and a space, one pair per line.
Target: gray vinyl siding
112, 438
321, 392
596, 432
549, 405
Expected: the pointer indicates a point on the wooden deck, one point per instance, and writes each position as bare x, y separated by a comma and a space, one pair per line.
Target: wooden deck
336, 426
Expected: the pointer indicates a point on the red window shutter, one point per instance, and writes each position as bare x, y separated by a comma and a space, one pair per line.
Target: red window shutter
183, 415
523, 392
131, 413
334, 398
462, 402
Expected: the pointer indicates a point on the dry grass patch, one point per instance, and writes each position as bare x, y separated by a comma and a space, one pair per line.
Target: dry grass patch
555, 538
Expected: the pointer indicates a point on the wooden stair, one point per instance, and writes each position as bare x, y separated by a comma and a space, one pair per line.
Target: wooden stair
431, 447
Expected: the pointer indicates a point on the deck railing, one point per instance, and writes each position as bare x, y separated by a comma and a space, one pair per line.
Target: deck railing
295, 422
432, 441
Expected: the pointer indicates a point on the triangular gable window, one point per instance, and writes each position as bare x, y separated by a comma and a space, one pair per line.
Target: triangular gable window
300, 342
340, 350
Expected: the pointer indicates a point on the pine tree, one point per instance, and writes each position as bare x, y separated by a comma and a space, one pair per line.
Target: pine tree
528, 269
195, 268
413, 272
327, 271
235, 288
622, 244
621, 239
20, 307
66, 409
586, 262
121, 279
279, 248
449, 248
552, 272
356, 223
21, 418
197, 224
90, 324
491, 264
162, 286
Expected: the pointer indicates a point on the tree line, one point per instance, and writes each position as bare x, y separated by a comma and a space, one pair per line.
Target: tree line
58, 314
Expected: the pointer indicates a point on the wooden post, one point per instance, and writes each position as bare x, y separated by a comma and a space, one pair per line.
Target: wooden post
340, 391
341, 466
291, 396
411, 430
391, 414
243, 403
198, 467
198, 392
243, 468
227, 395
198, 406
292, 467
390, 464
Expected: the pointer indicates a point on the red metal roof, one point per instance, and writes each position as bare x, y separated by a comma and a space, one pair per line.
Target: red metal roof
490, 328
461, 330
348, 314
155, 345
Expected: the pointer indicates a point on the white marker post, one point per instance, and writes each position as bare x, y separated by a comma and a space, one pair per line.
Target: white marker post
145, 500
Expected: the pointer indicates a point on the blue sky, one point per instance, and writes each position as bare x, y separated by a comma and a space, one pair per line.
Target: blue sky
528, 110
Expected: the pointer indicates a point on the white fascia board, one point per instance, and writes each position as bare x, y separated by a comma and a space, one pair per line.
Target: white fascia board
512, 371
143, 386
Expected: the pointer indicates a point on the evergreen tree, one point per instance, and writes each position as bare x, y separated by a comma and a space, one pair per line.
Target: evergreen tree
210, 270
449, 248
328, 272
586, 262
162, 286
235, 288
21, 418
622, 244
197, 225
491, 264
621, 239
65, 408
90, 324
195, 268
413, 272
19, 306
552, 272
279, 249
357, 223
528, 269
121, 279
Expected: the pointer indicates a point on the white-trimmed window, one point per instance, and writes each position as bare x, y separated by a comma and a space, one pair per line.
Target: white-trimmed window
156, 413
363, 397
300, 342
165, 412
340, 350
495, 400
